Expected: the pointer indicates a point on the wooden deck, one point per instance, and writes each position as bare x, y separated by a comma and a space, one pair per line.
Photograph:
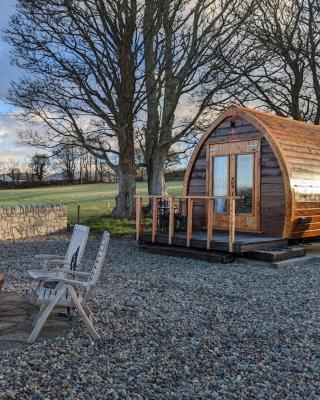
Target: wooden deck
220, 242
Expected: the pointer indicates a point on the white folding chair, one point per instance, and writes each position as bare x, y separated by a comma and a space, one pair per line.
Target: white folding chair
70, 292
77, 246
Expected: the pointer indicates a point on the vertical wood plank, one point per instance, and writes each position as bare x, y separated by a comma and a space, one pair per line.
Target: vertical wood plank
184, 207
209, 161
232, 222
232, 192
209, 224
257, 186
171, 220
154, 219
189, 222
208, 170
138, 216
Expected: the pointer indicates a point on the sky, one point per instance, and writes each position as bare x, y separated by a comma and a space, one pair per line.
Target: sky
11, 148
10, 126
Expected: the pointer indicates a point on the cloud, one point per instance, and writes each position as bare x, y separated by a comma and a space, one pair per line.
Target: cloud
7, 9
10, 148
8, 71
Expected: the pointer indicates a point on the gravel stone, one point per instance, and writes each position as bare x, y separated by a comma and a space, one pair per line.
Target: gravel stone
173, 329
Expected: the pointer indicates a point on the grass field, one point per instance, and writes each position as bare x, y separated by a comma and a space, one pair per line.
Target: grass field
96, 202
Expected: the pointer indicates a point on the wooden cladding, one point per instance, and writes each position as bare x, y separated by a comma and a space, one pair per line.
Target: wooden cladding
234, 147
272, 192
289, 169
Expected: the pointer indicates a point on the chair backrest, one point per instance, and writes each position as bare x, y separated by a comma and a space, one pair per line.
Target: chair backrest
79, 240
74, 260
101, 256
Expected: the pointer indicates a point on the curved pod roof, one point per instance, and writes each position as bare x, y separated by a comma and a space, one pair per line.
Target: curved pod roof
296, 146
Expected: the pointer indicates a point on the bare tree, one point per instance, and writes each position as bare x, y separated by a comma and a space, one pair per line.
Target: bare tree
25, 168
279, 61
39, 164
100, 169
66, 156
84, 85
13, 170
186, 46
101, 71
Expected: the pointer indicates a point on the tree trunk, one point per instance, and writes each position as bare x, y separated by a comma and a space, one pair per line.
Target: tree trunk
126, 171
155, 167
125, 201
154, 162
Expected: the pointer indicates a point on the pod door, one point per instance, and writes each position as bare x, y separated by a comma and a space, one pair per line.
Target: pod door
234, 170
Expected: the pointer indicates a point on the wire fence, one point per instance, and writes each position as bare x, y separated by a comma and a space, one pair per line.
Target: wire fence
88, 213
97, 215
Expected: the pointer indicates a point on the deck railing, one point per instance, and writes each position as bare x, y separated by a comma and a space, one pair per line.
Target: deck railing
186, 205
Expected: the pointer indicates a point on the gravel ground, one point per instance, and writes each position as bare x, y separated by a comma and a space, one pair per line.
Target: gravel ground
174, 329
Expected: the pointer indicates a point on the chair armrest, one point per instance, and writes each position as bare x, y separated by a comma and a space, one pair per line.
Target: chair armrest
57, 261
69, 271
79, 273
46, 274
43, 275
48, 256
71, 281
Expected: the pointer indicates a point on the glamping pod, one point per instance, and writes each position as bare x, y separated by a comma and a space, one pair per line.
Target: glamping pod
272, 162
253, 182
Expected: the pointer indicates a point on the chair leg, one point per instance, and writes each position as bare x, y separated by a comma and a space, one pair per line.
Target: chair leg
91, 316
34, 290
81, 311
44, 313
40, 312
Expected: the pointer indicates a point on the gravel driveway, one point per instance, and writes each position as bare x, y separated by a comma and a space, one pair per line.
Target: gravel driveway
174, 329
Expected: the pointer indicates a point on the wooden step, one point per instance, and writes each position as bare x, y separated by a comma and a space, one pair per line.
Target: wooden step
183, 252
276, 254
251, 247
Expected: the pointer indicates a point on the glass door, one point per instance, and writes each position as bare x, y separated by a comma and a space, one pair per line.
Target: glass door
220, 182
234, 170
244, 183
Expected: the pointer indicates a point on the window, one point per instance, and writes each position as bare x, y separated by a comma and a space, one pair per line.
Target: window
220, 182
244, 182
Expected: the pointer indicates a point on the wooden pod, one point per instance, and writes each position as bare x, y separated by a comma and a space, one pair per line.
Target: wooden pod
285, 185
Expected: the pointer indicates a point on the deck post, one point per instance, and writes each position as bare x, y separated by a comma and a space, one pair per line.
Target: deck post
209, 222
171, 220
232, 222
189, 221
154, 219
138, 216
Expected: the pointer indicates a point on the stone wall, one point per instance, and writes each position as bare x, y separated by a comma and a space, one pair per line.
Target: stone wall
29, 221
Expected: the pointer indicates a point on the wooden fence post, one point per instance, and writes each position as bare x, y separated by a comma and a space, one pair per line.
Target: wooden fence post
78, 214
138, 216
232, 222
171, 220
154, 219
189, 221
209, 222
